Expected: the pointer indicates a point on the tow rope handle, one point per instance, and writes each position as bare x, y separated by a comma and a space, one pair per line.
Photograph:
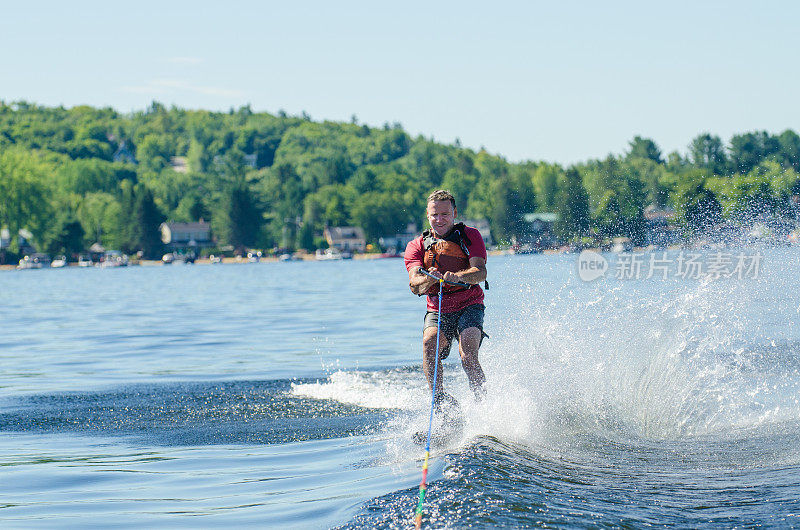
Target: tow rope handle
458, 284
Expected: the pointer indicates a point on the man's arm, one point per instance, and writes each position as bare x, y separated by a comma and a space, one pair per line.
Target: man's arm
419, 282
476, 273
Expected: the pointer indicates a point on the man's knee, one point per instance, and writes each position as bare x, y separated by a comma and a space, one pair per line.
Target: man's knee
470, 341
429, 340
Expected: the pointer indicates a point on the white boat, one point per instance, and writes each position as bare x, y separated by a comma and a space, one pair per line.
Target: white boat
114, 258
622, 244
168, 258
328, 254
59, 262
254, 257
85, 261
215, 259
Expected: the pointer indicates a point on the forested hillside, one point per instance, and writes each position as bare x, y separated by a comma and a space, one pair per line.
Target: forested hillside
73, 177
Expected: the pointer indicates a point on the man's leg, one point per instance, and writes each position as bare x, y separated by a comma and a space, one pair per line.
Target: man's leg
429, 356
469, 341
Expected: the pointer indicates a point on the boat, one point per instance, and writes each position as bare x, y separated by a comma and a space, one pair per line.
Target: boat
85, 261
59, 262
34, 261
622, 244
327, 254
215, 259
254, 257
168, 258
114, 258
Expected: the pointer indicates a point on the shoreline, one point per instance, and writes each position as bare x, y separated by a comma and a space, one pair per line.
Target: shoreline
311, 257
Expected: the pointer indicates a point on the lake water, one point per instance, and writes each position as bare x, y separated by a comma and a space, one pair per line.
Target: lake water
286, 394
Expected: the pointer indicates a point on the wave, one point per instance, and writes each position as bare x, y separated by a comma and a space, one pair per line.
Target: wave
197, 413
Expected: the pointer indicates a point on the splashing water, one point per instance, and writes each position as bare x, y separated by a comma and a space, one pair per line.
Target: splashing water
649, 360
670, 402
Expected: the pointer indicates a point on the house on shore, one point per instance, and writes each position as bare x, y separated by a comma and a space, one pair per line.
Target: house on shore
399, 241
538, 233
178, 236
660, 227
345, 238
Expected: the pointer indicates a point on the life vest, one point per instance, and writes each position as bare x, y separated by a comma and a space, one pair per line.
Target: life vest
449, 254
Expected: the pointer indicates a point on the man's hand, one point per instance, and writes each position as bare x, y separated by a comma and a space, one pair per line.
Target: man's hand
452, 277
420, 282
435, 273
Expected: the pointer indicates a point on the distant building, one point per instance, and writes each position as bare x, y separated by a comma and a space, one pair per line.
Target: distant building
24, 237
186, 235
538, 233
482, 226
350, 238
400, 240
251, 160
5, 238
123, 154
660, 227
5, 241
180, 164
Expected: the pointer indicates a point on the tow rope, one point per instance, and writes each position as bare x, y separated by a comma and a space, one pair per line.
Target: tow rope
423, 486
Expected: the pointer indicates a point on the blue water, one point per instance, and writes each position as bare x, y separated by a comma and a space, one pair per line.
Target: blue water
286, 394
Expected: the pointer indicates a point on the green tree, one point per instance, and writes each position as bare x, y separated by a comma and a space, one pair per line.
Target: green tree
126, 197
68, 239
789, 153
147, 219
192, 208
379, 214
99, 215
572, 207
607, 216
545, 184
644, 148
197, 157
25, 194
699, 207
460, 185
749, 149
243, 218
707, 152
305, 238
153, 153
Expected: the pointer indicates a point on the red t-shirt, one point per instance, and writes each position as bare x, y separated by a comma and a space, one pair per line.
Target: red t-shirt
415, 257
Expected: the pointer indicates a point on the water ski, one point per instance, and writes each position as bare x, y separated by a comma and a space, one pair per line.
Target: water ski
448, 423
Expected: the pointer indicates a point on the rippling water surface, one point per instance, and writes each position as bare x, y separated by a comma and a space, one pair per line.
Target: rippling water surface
286, 394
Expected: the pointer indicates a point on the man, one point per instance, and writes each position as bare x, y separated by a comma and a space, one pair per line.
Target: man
456, 253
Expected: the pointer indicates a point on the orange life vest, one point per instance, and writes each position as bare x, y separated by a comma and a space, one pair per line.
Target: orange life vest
449, 254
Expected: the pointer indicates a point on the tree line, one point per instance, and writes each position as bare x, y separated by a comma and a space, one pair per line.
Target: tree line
76, 176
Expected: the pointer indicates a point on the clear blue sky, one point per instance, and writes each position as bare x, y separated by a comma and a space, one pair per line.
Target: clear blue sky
557, 81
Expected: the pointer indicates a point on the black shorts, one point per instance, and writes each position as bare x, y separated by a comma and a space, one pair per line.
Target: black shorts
456, 322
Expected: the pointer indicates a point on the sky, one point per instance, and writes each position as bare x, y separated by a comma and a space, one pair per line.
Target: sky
556, 81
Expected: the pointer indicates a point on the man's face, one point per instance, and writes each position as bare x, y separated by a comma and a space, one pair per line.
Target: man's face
441, 216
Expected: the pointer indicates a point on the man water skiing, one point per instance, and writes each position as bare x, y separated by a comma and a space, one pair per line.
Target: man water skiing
455, 253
